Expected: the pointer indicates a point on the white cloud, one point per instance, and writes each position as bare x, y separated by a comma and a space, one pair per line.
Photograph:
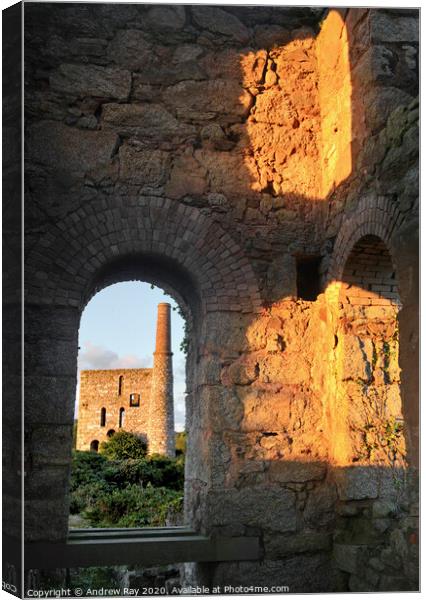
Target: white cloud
99, 357
92, 356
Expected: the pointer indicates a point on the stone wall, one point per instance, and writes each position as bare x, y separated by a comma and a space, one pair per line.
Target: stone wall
210, 151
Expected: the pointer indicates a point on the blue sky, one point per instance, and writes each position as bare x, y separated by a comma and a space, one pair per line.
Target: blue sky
117, 330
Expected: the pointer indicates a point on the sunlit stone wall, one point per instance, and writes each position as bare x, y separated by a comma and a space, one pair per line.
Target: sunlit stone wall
219, 147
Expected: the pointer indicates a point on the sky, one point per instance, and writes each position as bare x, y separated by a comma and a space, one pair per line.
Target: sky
117, 330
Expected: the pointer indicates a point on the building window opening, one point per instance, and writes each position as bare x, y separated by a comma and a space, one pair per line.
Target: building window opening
121, 346
121, 417
134, 399
308, 277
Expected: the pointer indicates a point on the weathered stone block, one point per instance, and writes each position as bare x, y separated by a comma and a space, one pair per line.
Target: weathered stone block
79, 81
160, 74
280, 546
320, 509
242, 372
130, 49
359, 584
270, 508
304, 574
390, 28
296, 471
375, 66
283, 368
383, 508
187, 178
216, 97
59, 147
167, 18
143, 167
144, 120
217, 20
381, 102
357, 483
348, 557
357, 359
227, 172
394, 583
266, 411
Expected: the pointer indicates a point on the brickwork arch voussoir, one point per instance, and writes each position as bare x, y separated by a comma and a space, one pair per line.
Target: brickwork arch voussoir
62, 268
378, 217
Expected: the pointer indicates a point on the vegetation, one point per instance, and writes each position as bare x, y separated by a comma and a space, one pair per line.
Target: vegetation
180, 443
122, 445
122, 487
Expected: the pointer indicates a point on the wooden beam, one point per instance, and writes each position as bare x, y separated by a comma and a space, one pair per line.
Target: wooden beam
159, 546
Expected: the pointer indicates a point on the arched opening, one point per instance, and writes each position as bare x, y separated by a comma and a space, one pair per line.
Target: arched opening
94, 445
123, 341
368, 358
369, 277
121, 417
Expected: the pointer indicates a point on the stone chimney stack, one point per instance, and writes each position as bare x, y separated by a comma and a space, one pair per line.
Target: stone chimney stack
161, 435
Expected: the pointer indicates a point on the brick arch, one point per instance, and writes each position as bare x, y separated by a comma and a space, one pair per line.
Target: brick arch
378, 217
67, 268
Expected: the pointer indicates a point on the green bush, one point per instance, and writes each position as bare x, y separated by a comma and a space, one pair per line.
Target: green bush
159, 471
122, 445
131, 492
87, 467
86, 496
134, 506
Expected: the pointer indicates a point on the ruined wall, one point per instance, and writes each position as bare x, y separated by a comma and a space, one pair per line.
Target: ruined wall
101, 389
195, 147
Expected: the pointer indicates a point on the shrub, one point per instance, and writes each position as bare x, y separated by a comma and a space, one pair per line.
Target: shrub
125, 492
124, 444
134, 506
160, 471
87, 467
86, 496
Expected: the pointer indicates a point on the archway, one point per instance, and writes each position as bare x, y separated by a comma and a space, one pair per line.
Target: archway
368, 352
121, 417
94, 445
164, 243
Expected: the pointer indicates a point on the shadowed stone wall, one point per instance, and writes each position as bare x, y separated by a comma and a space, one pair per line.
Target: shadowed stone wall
209, 150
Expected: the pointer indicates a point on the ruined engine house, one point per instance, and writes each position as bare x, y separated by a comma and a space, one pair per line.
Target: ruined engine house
136, 400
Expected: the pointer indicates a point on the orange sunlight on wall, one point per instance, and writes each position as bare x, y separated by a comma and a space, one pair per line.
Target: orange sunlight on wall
299, 126
335, 92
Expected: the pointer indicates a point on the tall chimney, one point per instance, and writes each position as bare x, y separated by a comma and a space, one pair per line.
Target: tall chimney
161, 435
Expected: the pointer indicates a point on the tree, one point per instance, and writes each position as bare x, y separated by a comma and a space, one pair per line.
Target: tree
122, 445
